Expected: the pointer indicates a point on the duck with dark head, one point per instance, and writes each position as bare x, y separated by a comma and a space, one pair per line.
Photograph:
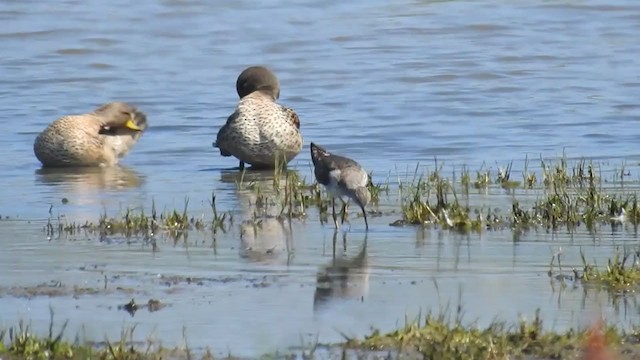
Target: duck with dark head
260, 132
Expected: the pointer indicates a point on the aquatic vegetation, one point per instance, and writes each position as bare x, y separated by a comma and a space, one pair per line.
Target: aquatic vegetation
569, 195
441, 337
483, 179
177, 221
218, 221
504, 178
136, 222
377, 189
530, 178
621, 274
296, 197
428, 203
131, 223
585, 202
21, 342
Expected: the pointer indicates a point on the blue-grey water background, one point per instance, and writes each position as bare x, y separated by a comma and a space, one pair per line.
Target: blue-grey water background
389, 83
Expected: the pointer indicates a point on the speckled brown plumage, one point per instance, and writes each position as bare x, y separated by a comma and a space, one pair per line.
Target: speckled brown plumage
260, 132
99, 138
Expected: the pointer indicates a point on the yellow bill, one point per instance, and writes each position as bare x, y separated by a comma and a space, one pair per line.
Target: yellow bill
131, 125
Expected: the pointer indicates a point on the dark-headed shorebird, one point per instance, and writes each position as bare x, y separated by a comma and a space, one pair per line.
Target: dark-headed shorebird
260, 132
342, 177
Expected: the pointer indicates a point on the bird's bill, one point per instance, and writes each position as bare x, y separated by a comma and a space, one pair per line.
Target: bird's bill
132, 125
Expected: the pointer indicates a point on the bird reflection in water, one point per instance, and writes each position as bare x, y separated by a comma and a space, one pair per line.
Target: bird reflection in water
343, 278
266, 240
265, 236
85, 180
262, 177
252, 188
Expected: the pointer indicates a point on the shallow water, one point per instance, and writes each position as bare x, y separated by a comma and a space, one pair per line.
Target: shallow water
389, 84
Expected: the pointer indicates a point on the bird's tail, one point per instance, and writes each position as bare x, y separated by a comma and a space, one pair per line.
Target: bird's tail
318, 153
223, 152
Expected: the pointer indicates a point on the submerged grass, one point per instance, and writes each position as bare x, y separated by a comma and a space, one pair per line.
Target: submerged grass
428, 203
620, 275
568, 195
136, 222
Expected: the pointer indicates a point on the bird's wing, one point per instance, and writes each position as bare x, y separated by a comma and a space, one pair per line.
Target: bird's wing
222, 133
323, 172
352, 177
291, 115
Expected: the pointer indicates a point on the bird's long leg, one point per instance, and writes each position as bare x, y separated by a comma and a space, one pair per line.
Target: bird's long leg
344, 210
335, 239
364, 212
344, 242
333, 207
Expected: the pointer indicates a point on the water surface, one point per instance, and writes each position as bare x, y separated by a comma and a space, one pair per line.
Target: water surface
391, 84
